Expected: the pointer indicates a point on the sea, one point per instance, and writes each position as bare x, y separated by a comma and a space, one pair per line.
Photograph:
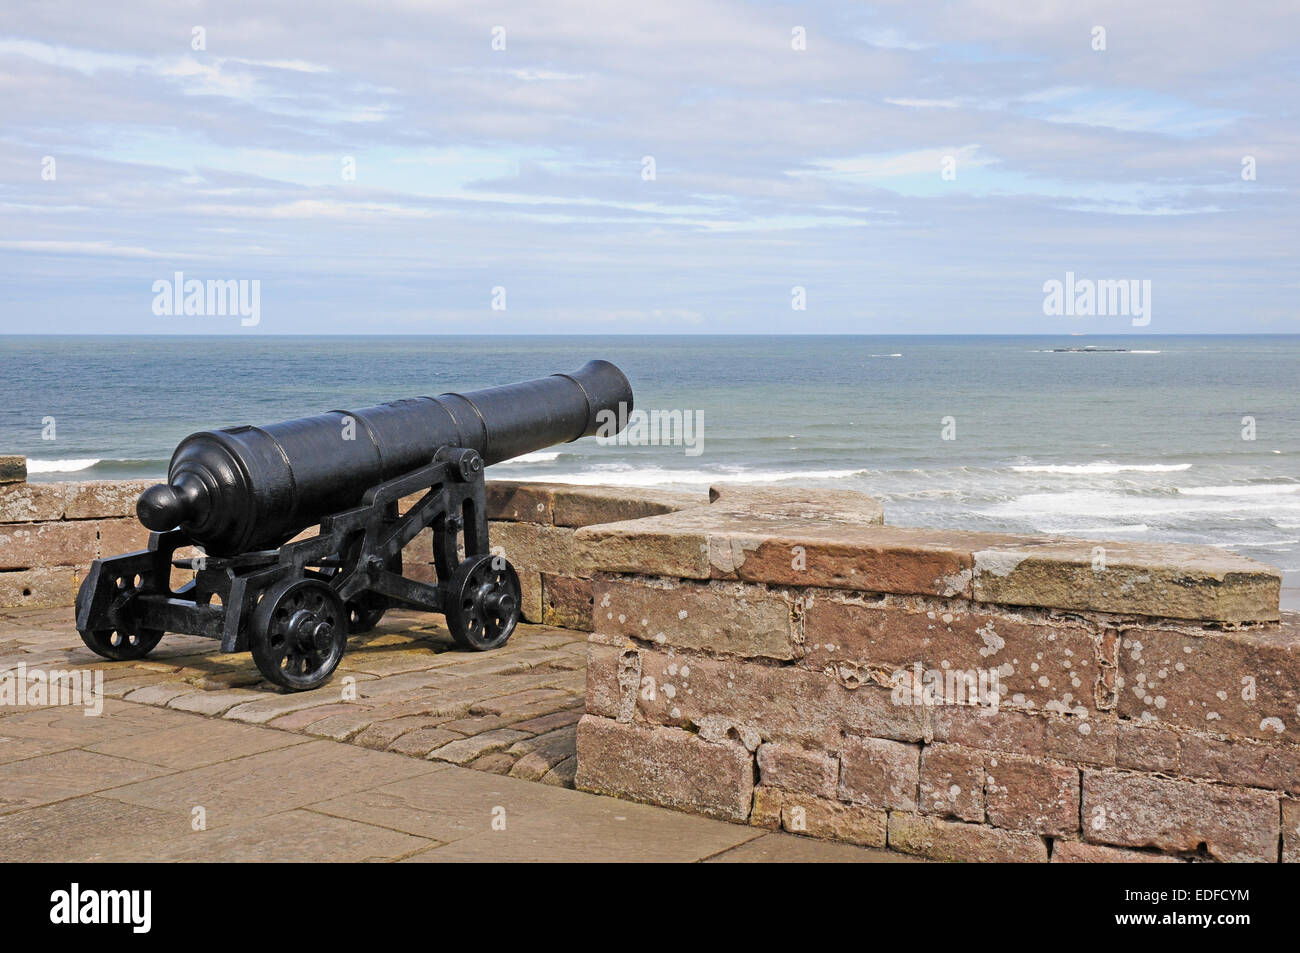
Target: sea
1174, 438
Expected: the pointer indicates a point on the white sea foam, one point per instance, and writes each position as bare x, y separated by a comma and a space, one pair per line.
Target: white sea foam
542, 457
1252, 489
662, 476
1102, 467
1070, 508
61, 466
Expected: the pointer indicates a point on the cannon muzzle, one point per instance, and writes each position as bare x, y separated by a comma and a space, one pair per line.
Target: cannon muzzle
242, 489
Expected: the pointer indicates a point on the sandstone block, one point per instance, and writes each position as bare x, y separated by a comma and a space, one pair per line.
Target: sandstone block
798, 813
803, 503
1136, 810
879, 773
520, 502
1148, 748
955, 841
989, 729
536, 547
13, 469
32, 502
797, 769
952, 782
1240, 762
567, 602
626, 548
589, 505
860, 557
1041, 661
1290, 832
119, 536
465, 750
33, 588
1026, 794
1245, 684
1087, 740
104, 499
664, 766
530, 594
779, 703
613, 678
722, 618
1155, 579
1079, 852
34, 545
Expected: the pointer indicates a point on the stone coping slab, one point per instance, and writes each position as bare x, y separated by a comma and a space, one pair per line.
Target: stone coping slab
572, 505
823, 539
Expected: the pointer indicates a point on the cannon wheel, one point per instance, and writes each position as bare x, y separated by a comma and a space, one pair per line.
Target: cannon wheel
483, 602
119, 644
298, 634
364, 613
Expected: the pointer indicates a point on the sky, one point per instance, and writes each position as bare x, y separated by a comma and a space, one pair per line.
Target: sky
681, 166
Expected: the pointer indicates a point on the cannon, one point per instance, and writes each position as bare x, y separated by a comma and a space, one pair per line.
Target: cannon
243, 497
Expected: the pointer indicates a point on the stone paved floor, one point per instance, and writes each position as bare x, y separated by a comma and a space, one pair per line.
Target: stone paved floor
402, 687
383, 773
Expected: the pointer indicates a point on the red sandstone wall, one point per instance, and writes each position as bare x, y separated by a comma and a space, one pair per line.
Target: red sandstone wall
756, 660
50, 532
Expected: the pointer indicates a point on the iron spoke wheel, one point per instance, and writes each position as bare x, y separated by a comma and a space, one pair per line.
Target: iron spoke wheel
483, 602
299, 631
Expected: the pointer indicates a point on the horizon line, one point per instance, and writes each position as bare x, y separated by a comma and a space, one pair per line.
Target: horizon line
234, 335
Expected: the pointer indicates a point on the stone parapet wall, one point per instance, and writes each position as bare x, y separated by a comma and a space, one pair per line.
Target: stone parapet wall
50, 532
775, 659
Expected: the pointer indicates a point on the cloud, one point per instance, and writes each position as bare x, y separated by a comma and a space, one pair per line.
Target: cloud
526, 166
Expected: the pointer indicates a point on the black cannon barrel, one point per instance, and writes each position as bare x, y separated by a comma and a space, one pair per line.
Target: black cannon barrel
242, 489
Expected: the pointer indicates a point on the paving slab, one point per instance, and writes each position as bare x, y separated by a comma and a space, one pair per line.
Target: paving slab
84, 829
288, 837
64, 774
483, 817
195, 743
19, 747
269, 782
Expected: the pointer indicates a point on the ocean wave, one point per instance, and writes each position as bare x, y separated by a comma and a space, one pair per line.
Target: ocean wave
541, 457
1070, 507
663, 476
1251, 489
1102, 467
61, 466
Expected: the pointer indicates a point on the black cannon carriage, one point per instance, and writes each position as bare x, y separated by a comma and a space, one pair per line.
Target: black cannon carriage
242, 493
